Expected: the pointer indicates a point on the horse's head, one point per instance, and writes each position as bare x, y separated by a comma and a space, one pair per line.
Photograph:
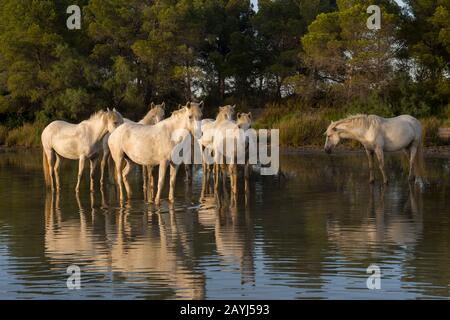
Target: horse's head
113, 119
194, 114
226, 112
244, 120
158, 111
332, 137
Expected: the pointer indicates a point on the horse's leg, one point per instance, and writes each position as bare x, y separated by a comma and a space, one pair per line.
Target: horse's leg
93, 163
216, 176
208, 177
247, 170
105, 155
247, 173
51, 163
56, 168
231, 172
173, 177
233, 178
412, 159
80, 173
144, 182
223, 170
188, 172
380, 155
161, 177
151, 182
126, 171
119, 165
369, 154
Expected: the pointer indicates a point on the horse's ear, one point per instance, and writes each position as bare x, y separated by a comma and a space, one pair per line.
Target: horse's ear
233, 106
201, 104
238, 115
180, 106
114, 110
250, 115
107, 109
188, 104
163, 105
152, 105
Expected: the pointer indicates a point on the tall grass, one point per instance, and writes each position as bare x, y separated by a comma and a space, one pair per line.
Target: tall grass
3, 134
430, 131
27, 135
299, 125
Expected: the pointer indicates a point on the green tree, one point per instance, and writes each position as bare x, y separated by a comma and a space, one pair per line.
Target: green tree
279, 26
345, 56
426, 31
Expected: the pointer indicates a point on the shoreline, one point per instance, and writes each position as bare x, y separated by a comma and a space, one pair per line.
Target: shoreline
443, 150
432, 150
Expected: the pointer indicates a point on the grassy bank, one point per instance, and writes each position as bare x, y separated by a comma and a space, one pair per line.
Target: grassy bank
27, 135
299, 126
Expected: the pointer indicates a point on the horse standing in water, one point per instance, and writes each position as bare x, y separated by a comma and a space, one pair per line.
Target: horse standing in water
153, 145
378, 135
81, 142
208, 128
230, 132
153, 116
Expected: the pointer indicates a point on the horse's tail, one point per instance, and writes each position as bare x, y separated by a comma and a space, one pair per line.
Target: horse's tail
419, 163
46, 168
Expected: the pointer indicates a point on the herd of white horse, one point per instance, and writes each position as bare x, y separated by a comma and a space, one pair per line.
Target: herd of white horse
151, 142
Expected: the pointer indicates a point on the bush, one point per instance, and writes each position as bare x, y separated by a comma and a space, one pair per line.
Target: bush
3, 134
27, 135
430, 127
300, 130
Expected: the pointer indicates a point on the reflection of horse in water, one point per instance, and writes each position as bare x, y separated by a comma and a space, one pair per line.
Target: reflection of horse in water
233, 232
399, 224
155, 248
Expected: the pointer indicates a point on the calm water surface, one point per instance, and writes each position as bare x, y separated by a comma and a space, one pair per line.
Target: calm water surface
309, 235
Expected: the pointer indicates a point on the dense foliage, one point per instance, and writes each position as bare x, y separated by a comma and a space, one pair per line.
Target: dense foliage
131, 52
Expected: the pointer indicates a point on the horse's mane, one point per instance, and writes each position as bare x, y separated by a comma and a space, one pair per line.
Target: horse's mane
362, 120
149, 115
97, 114
177, 113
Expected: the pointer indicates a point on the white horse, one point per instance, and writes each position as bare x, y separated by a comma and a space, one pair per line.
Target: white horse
153, 116
208, 127
226, 133
378, 135
153, 145
81, 142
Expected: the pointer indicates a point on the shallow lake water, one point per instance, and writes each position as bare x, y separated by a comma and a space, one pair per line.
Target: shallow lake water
310, 234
